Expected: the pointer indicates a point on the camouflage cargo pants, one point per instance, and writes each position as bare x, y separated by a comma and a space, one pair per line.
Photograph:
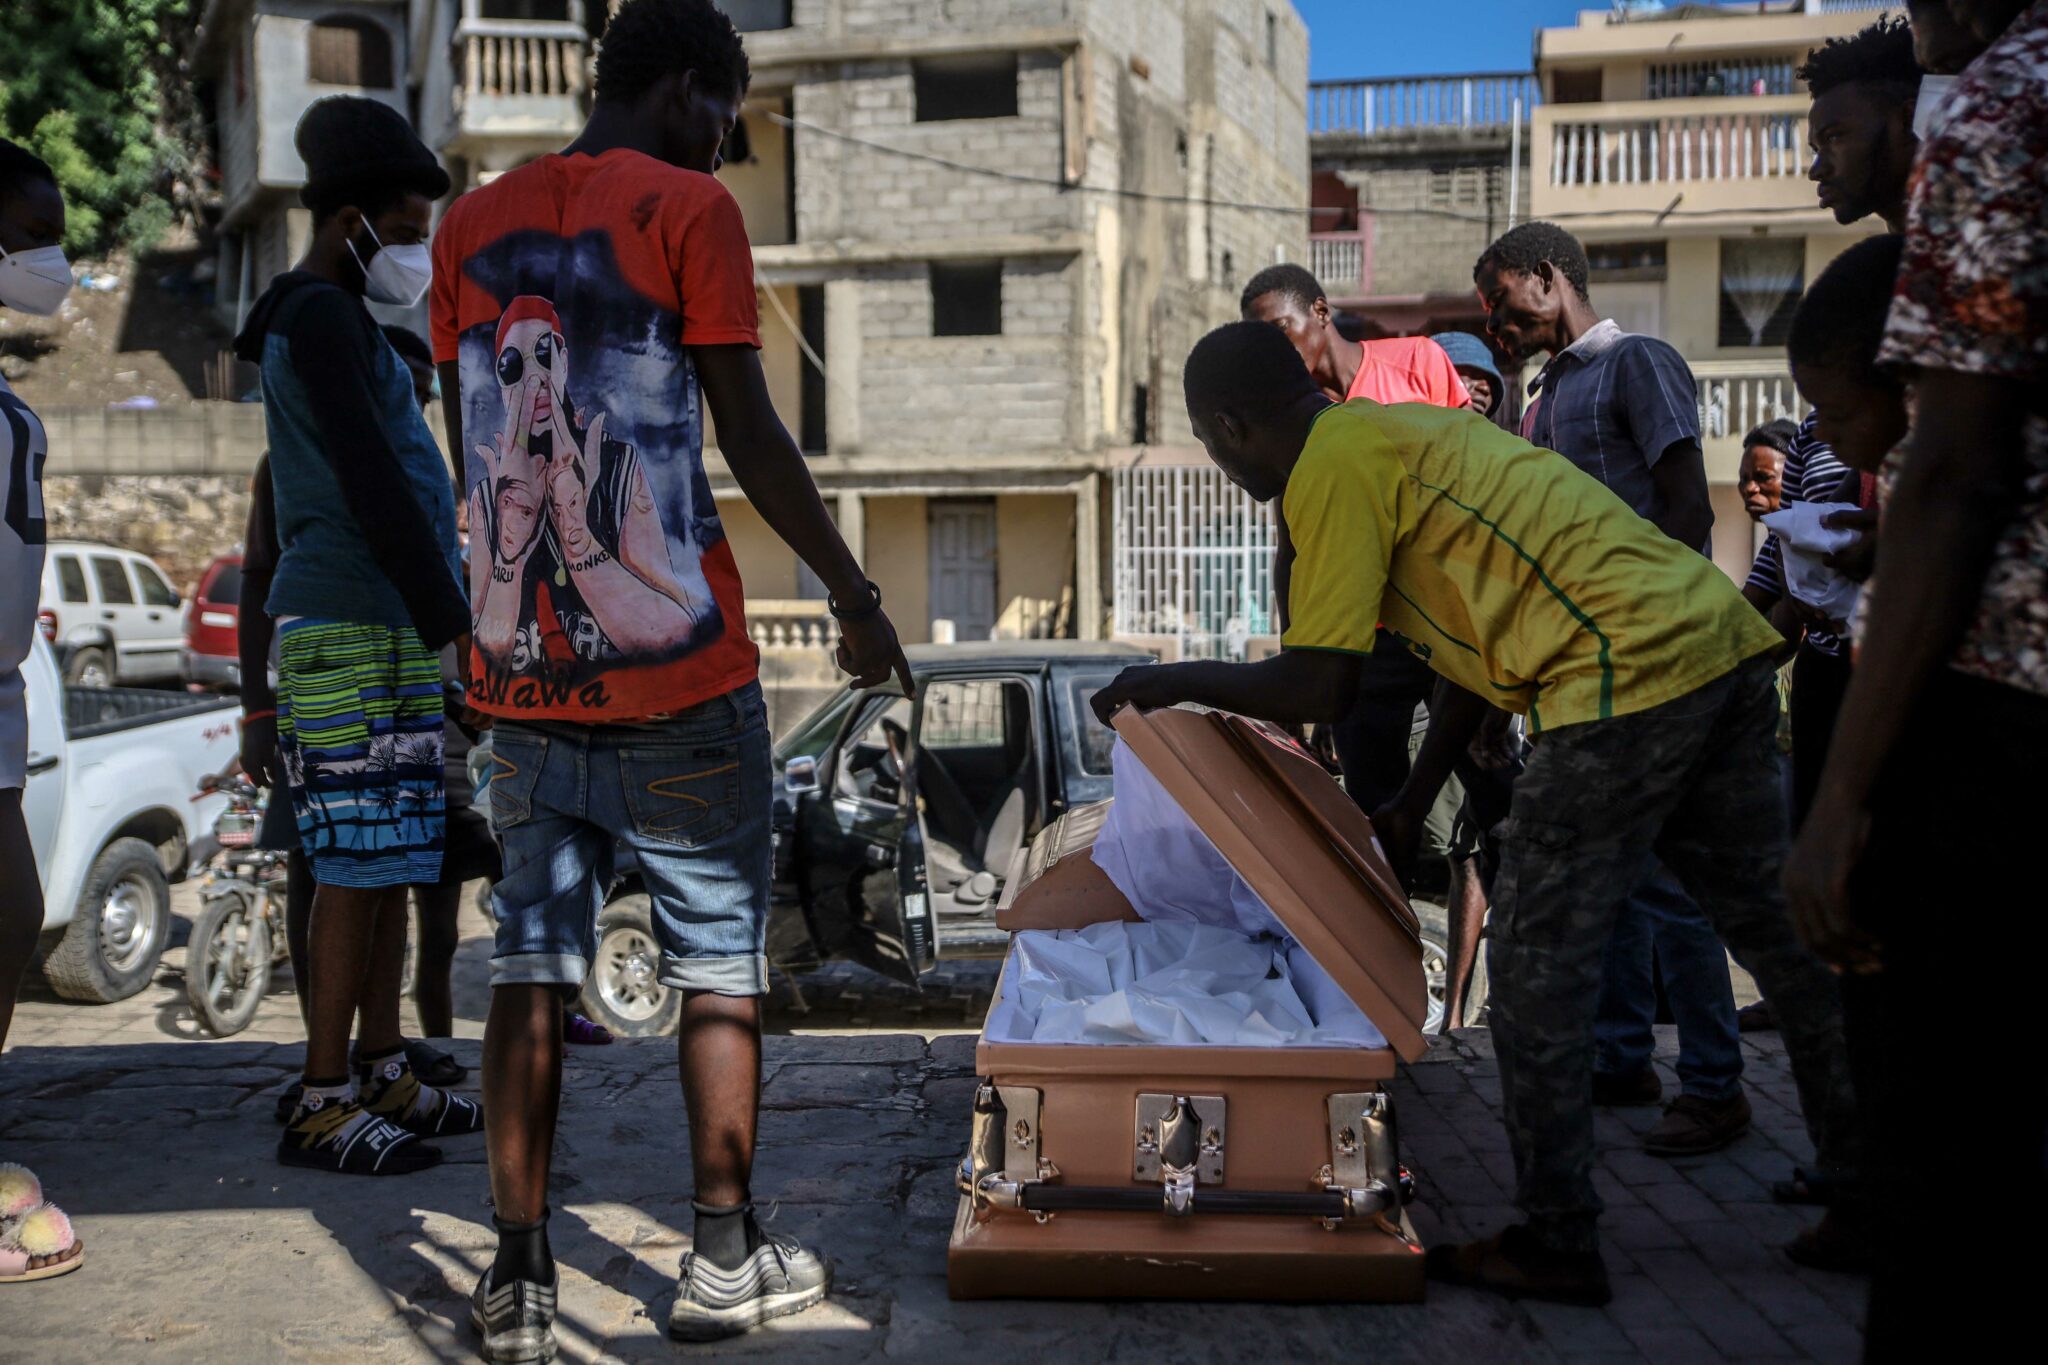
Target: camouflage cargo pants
1696, 782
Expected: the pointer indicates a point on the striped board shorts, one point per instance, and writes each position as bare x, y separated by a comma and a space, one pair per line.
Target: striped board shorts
359, 716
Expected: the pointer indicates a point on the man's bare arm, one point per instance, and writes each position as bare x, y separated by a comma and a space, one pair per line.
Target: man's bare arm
1963, 476
1680, 477
1293, 687
771, 471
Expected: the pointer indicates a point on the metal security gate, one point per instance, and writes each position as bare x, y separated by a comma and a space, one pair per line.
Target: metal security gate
1193, 559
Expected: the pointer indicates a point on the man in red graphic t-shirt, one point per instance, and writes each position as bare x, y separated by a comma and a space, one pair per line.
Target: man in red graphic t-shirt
586, 308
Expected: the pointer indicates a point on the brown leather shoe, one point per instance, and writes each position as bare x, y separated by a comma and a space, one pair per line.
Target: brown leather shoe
1641, 1088
1691, 1125
1514, 1263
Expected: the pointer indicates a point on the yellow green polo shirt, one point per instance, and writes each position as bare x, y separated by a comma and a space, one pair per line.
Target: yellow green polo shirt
1514, 574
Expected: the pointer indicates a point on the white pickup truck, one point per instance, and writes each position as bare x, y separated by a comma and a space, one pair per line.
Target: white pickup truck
111, 777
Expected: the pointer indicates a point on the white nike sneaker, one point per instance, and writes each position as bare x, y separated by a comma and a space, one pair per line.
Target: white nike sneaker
780, 1278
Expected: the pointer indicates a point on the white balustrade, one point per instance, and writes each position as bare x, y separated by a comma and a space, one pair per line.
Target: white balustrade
797, 623
522, 61
1337, 259
1410, 103
1682, 147
1734, 404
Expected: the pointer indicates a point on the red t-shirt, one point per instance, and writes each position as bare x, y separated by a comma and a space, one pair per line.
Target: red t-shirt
601, 584
1408, 370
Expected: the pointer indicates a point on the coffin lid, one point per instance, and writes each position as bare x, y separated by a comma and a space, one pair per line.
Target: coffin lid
1291, 833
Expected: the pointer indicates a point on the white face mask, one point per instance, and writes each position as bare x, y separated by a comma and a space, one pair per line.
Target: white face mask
396, 274
34, 281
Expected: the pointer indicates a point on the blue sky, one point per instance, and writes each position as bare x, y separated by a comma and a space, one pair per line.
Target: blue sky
1349, 38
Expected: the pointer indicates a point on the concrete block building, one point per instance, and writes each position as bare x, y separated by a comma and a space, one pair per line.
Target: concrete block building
986, 233
265, 61
1673, 142
1413, 176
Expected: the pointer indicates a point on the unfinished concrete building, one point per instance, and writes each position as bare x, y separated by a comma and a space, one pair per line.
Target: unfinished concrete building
987, 233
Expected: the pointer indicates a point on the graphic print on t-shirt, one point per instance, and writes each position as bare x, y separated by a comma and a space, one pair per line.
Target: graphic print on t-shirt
581, 477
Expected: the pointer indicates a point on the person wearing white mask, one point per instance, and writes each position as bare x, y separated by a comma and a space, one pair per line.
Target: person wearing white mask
34, 278
37, 1240
366, 593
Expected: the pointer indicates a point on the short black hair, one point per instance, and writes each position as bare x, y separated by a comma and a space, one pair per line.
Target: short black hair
362, 152
1880, 55
648, 39
1245, 367
1522, 249
1289, 281
1777, 436
20, 168
1840, 321
409, 344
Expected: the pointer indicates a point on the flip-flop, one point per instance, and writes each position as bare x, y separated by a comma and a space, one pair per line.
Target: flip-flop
584, 1031
42, 1232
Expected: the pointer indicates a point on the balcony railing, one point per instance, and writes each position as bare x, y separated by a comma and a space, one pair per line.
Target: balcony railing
522, 61
1680, 147
1341, 261
791, 623
1410, 104
1736, 401
1694, 80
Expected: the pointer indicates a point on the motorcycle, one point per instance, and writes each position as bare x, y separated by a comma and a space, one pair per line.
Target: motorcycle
239, 936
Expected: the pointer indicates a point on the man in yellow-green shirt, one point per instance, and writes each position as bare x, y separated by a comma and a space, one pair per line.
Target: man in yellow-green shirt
1648, 683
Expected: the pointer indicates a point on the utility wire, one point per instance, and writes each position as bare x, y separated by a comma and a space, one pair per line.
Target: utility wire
1197, 201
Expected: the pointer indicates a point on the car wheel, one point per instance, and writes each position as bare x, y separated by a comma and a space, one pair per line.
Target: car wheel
90, 667
112, 945
623, 991
1436, 967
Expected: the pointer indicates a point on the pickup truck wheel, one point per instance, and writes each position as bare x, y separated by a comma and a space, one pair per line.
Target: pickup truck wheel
1436, 960
89, 667
111, 948
623, 991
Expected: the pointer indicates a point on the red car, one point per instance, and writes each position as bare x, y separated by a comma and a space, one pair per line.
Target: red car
211, 656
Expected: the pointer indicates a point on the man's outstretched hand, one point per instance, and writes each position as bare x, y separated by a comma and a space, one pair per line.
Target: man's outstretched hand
1145, 686
1400, 834
868, 649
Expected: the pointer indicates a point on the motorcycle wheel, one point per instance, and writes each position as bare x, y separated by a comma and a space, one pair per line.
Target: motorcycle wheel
227, 963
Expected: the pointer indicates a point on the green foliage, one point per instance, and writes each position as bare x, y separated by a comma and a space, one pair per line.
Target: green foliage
92, 87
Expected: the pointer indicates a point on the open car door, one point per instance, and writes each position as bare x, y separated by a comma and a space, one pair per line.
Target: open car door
863, 860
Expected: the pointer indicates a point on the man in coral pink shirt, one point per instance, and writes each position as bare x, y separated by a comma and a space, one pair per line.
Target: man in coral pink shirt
1392, 370
1371, 742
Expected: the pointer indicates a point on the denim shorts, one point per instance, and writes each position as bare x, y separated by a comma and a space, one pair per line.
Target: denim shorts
688, 796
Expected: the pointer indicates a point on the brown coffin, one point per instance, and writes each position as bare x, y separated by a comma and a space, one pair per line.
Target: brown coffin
1310, 855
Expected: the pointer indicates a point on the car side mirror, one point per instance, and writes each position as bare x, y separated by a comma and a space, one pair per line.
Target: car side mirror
800, 775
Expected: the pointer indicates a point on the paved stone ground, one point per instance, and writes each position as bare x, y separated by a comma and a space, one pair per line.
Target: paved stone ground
839, 998
202, 1249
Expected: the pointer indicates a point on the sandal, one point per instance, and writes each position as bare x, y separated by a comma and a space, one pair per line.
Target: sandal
37, 1241
1809, 1187
584, 1031
434, 1066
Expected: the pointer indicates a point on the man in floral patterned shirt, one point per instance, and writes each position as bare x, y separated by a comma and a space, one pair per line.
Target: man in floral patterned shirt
1950, 697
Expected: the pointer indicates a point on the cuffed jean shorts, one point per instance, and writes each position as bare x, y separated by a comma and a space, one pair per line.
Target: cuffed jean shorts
689, 796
